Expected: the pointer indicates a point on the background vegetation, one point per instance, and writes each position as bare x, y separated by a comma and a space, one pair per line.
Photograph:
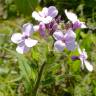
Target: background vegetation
62, 76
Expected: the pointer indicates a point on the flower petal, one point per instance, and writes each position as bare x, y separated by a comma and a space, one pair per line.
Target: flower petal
59, 45
16, 38
30, 42
70, 44
36, 28
45, 11
27, 29
71, 16
70, 34
83, 25
21, 48
88, 66
36, 16
47, 20
79, 50
70, 39
84, 53
58, 35
52, 11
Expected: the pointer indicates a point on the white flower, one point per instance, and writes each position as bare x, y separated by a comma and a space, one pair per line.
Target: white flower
46, 15
83, 57
73, 18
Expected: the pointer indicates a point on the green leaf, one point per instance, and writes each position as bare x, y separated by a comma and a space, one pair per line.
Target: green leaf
25, 70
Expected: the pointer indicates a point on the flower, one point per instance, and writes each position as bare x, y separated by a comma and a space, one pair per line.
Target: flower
42, 29
52, 27
75, 21
75, 58
23, 40
36, 28
83, 57
46, 15
64, 40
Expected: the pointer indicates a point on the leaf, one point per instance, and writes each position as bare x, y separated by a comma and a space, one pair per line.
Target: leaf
25, 70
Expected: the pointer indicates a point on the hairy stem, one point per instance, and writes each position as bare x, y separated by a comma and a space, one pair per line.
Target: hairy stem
38, 79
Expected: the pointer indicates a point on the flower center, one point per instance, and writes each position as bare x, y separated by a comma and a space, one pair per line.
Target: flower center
82, 56
26, 37
63, 40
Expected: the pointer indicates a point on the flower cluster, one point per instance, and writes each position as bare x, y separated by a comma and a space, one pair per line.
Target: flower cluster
49, 24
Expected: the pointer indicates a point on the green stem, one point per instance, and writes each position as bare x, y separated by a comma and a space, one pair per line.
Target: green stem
38, 80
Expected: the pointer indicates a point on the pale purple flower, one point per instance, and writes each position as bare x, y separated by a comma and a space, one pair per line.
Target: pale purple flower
46, 15
83, 57
64, 40
75, 21
23, 40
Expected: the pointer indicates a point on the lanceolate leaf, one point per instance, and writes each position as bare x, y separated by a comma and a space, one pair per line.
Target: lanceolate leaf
25, 70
